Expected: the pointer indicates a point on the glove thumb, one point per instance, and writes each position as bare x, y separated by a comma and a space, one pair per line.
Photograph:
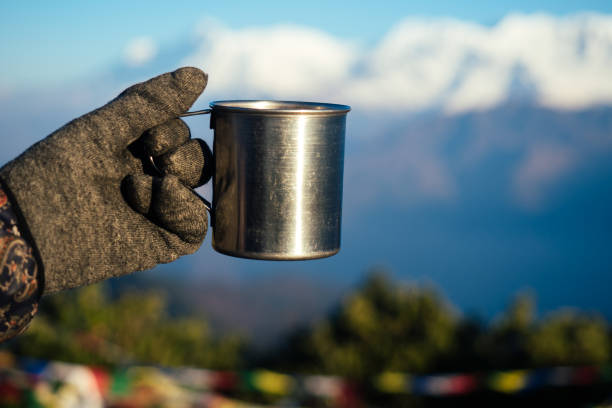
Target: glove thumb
153, 102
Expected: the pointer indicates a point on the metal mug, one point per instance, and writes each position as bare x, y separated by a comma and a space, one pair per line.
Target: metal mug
277, 180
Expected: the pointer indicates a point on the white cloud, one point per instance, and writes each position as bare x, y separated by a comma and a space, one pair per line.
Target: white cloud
280, 61
540, 169
139, 51
420, 64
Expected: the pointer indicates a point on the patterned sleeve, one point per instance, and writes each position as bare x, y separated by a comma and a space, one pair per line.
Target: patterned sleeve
20, 289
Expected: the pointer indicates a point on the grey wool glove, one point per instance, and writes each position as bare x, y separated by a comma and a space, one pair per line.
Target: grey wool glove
93, 207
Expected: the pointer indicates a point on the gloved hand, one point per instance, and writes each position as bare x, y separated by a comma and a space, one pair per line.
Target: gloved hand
93, 207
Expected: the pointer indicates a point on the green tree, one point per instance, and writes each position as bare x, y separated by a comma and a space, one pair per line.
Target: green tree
569, 338
87, 326
382, 326
505, 343
519, 340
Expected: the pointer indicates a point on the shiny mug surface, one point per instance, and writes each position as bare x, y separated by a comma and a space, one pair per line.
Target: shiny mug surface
277, 182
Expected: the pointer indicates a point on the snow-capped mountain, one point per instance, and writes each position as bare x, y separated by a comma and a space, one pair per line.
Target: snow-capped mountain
478, 157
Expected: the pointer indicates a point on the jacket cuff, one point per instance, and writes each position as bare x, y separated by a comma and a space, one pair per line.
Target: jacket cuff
20, 275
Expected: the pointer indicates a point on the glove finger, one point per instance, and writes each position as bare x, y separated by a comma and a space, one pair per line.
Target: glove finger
179, 209
165, 137
151, 103
168, 203
138, 191
191, 162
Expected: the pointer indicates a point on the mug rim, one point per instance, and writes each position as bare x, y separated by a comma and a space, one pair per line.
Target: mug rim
284, 107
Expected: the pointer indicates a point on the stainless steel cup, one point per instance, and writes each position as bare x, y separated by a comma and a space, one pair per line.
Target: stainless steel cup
277, 184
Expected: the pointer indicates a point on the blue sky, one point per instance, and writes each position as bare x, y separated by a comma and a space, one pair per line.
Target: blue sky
54, 41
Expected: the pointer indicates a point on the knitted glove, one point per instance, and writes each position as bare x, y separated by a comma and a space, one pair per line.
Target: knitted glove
93, 207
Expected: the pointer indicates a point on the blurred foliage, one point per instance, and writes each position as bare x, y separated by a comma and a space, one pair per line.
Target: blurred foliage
386, 326
565, 337
87, 326
382, 325
568, 338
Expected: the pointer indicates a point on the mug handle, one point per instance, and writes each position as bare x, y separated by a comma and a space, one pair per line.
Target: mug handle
152, 160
